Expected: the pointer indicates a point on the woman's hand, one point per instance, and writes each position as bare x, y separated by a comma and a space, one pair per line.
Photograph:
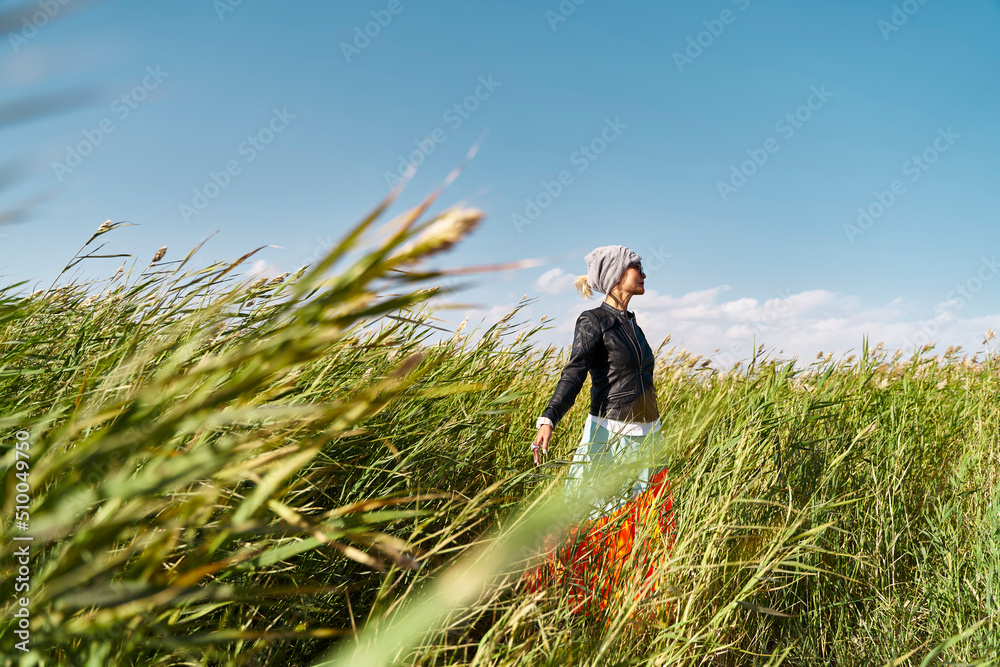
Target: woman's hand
540, 447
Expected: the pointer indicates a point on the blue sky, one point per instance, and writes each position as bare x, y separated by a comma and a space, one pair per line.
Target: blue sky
644, 109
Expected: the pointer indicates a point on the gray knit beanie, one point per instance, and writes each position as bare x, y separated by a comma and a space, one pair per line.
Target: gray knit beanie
605, 266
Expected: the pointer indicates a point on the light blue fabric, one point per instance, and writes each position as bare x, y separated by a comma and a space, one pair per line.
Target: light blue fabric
601, 450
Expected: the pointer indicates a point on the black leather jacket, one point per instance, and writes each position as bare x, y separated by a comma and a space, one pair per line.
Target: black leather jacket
610, 345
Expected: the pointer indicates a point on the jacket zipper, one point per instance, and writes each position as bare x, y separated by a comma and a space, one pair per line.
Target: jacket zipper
638, 355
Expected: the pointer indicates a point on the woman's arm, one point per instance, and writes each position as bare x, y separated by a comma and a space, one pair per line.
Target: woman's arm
585, 341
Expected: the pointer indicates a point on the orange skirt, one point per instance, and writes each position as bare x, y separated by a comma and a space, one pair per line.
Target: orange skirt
595, 557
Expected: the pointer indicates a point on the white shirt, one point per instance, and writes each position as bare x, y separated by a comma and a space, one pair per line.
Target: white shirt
625, 428
622, 428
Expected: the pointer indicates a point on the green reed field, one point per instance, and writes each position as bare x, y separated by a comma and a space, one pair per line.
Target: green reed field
291, 472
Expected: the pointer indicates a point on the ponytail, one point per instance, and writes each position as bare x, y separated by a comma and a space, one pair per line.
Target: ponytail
583, 287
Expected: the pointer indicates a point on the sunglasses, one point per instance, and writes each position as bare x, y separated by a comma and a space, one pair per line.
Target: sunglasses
637, 265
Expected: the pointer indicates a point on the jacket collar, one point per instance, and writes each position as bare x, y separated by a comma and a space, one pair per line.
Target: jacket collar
625, 314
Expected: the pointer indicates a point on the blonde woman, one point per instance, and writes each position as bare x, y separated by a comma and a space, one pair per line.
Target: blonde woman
605, 549
610, 345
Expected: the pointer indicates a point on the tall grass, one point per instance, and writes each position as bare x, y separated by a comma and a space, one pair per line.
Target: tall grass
229, 472
842, 514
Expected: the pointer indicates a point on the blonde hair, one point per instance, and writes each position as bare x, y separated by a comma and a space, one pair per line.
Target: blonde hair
583, 287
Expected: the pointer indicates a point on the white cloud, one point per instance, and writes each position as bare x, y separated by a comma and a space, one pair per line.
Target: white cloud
799, 325
261, 268
554, 281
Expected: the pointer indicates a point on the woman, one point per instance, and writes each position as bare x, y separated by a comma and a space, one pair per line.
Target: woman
612, 348
620, 429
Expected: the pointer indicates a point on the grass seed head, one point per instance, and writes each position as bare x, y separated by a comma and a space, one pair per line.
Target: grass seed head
457, 337
443, 233
450, 228
159, 254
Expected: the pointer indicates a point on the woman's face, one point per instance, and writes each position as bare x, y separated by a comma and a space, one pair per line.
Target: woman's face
633, 280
